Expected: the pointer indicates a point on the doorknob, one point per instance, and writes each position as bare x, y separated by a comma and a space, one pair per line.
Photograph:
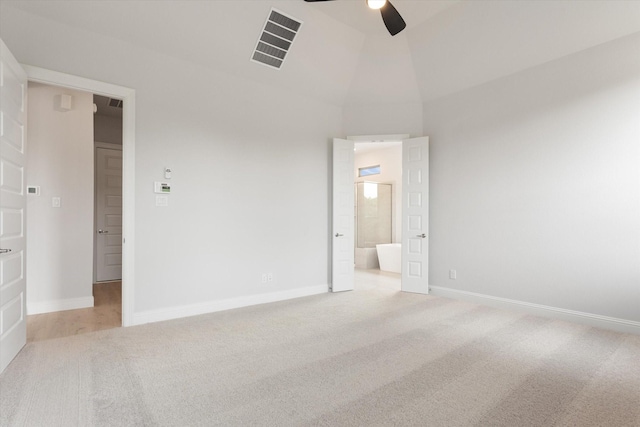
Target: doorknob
5, 251
422, 236
339, 235
103, 231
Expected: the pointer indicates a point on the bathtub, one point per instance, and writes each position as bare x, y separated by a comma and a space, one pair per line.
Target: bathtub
367, 258
389, 256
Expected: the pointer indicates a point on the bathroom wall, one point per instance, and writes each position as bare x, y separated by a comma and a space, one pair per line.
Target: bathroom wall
390, 161
373, 212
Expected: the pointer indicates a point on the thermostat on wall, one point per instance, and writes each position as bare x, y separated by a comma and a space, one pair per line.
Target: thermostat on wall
162, 187
33, 190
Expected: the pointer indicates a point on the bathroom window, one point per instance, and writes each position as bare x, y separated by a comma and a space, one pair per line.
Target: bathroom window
369, 170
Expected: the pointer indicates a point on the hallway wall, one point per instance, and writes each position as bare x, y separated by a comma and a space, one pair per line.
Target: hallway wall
59, 239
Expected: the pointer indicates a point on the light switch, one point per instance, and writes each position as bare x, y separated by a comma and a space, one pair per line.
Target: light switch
162, 200
55, 202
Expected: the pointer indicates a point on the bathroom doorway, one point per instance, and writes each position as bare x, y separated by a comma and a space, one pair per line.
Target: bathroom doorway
412, 214
378, 204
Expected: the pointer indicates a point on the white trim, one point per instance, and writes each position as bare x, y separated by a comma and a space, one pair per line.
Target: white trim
128, 96
379, 138
222, 305
59, 305
595, 320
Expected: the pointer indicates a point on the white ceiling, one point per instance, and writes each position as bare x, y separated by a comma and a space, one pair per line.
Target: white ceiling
343, 53
356, 14
475, 42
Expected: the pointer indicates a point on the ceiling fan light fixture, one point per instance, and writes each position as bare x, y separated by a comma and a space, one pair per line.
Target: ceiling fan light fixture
376, 4
390, 15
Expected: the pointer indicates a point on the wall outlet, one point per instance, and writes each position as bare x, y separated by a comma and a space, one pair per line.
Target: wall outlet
162, 200
269, 277
452, 274
264, 278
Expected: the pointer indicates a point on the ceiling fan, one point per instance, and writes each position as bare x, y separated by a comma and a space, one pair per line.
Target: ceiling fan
390, 16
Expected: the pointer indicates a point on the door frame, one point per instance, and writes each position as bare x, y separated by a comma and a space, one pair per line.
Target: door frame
127, 95
405, 139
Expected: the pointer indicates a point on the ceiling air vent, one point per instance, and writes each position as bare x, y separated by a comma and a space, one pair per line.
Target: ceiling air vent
115, 103
276, 39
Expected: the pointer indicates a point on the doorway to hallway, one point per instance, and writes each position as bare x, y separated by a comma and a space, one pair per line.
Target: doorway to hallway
69, 169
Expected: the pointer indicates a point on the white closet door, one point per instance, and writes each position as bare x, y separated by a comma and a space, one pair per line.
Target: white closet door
13, 112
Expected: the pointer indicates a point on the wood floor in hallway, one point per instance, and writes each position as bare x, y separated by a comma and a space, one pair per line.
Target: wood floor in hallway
106, 314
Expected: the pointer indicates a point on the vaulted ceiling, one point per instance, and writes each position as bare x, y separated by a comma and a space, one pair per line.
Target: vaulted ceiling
343, 54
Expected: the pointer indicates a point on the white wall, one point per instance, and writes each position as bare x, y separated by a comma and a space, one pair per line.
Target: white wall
381, 118
535, 184
250, 186
390, 161
59, 240
384, 96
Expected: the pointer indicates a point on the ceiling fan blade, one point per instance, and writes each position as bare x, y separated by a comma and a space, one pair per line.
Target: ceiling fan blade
392, 19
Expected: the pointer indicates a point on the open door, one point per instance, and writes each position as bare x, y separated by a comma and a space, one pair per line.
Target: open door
13, 110
342, 255
415, 215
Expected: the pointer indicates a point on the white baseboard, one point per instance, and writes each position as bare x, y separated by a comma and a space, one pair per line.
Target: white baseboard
59, 305
222, 305
595, 320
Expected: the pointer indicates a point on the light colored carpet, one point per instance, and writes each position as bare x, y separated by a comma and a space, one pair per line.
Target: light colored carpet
370, 357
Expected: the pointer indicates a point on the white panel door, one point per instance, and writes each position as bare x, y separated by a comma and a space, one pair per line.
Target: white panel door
13, 112
108, 214
343, 217
415, 215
